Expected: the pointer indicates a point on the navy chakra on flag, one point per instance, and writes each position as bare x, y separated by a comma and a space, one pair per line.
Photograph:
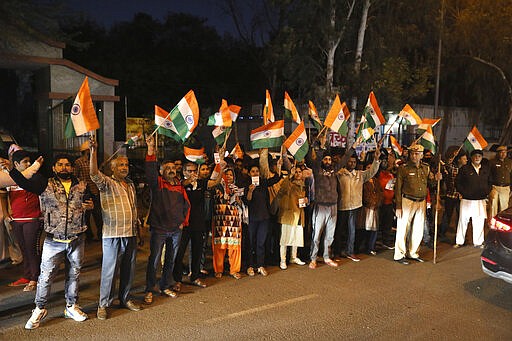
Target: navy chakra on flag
299, 141
75, 109
168, 124
189, 119
473, 140
266, 133
341, 117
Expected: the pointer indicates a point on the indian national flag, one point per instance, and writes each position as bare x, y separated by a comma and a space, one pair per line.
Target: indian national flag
83, 114
313, 115
185, 115
475, 140
219, 134
216, 172
222, 118
371, 113
367, 133
268, 136
268, 111
234, 110
69, 130
194, 155
131, 141
425, 123
410, 116
297, 143
237, 152
395, 145
290, 109
165, 125
428, 141
337, 117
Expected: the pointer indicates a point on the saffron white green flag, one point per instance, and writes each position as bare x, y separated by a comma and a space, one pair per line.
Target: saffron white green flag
194, 155
428, 141
337, 117
297, 143
219, 134
268, 136
165, 125
313, 115
185, 115
371, 113
222, 118
410, 116
475, 140
290, 109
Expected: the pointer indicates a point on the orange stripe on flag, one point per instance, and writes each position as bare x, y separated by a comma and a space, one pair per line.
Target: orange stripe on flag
83, 114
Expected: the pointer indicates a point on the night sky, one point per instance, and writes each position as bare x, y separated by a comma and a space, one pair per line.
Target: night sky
108, 12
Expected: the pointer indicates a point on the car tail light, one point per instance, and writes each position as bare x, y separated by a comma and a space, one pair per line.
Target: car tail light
499, 225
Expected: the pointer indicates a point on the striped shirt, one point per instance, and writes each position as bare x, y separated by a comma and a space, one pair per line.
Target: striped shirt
118, 206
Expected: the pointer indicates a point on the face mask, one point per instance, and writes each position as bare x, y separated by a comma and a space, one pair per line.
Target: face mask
64, 175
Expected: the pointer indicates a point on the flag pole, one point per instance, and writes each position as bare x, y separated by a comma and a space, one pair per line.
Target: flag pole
389, 129
438, 198
154, 131
226, 139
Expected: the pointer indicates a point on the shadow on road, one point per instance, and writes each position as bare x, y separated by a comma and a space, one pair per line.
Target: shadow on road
492, 291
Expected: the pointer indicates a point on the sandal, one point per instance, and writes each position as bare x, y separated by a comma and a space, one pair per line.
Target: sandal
236, 275
148, 298
218, 274
31, 286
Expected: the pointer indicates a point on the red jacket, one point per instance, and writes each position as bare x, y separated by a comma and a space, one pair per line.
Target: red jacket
23, 203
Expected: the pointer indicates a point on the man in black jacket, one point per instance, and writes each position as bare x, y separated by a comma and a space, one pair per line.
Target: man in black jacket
473, 182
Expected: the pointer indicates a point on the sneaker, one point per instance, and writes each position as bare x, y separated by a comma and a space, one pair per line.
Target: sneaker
177, 287
236, 275
312, 264
330, 262
456, 246
402, 261
37, 316
283, 266
74, 312
199, 283
372, 253
148, 297
169, 293
30, 286
130, 305
388, 246
101, 314
19, 283
353, 258
297, 261
250, 271
262, 271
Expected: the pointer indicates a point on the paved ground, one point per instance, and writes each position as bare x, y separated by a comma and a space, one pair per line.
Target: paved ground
373, 299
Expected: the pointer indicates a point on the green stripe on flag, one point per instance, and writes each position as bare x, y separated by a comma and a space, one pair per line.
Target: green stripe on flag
267, 142
69, 130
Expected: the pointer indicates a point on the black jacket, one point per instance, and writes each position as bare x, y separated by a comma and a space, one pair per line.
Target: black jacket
472, 185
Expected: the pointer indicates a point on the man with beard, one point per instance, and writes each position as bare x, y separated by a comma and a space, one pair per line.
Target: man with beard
169, 213
64, 200
474, 184
117, 194
325, 206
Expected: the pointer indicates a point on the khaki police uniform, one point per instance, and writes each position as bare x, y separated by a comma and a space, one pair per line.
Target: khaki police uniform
501, 174
410, 196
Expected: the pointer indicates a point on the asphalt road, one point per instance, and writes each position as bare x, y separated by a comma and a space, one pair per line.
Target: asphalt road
374, 299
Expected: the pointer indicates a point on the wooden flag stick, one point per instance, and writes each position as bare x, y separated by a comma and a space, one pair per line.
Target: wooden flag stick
389, 129
226, 139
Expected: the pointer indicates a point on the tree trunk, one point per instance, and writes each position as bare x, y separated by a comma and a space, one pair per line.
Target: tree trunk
357, 66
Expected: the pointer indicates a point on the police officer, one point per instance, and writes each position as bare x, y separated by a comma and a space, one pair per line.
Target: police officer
410, 195
501, 173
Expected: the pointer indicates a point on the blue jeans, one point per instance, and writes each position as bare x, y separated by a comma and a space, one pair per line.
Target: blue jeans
119, 254
172, 243
53, 254
350, 216
258, 231
323, 217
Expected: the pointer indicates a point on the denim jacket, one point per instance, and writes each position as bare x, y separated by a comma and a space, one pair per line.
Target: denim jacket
64, 216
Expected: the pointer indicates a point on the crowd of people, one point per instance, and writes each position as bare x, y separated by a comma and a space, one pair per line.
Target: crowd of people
334, 203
